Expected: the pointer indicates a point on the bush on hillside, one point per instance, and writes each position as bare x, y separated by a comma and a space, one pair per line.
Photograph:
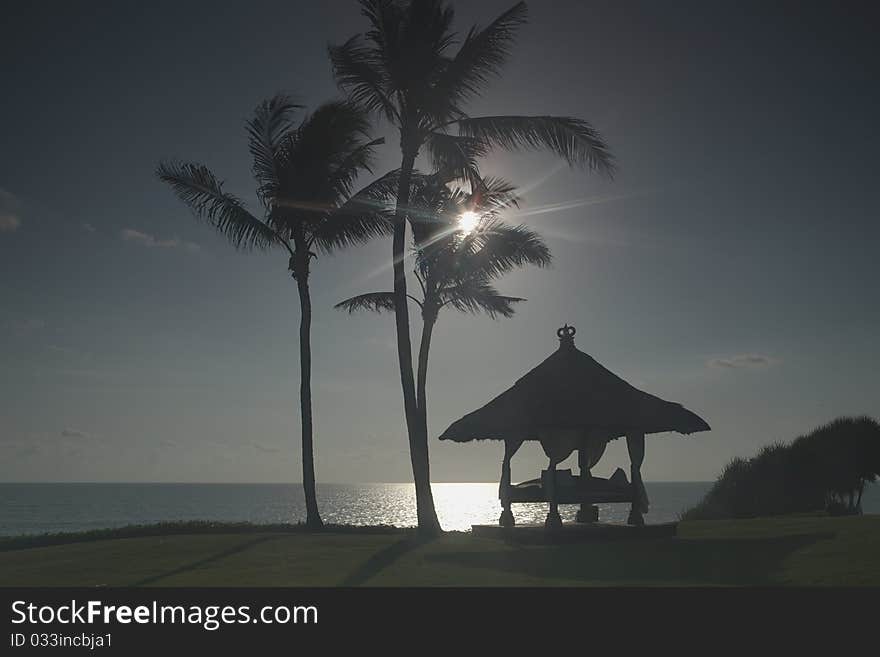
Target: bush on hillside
826, 469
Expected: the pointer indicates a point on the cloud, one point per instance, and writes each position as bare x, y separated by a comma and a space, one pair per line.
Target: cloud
266, 449
9, 223
151, 242
89, 228
10, 212
742, 361
74, 433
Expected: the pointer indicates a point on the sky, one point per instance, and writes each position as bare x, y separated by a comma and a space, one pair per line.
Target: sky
731, 265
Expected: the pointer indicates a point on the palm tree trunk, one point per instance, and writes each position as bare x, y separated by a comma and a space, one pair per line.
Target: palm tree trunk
422, 374
313, 517
421, 392
429, 525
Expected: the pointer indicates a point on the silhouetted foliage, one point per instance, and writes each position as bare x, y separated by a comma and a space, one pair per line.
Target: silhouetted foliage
456, 265
305, 174
825, 469
413, 70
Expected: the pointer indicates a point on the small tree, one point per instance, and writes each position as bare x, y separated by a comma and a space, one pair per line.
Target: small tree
848, 450
305, 174
461, 247
827, 468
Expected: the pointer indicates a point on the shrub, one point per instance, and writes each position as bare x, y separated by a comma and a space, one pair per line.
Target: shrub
826, 469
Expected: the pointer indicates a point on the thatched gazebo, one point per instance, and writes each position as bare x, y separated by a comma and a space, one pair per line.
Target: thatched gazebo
570, 402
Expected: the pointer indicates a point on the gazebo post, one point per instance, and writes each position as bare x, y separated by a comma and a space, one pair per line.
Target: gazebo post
554, 520
635, 445
588, 512
506, 519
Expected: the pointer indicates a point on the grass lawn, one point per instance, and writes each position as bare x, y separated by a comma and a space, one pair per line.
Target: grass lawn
805, 550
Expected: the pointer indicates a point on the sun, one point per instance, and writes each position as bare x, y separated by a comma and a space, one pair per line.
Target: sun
467, 222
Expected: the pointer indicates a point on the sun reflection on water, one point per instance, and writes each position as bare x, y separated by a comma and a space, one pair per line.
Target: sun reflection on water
40, 508
459, 505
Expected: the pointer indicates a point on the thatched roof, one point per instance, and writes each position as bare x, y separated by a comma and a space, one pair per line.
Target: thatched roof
570, 390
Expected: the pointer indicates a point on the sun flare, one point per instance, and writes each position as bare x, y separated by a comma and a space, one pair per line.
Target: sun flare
467, 222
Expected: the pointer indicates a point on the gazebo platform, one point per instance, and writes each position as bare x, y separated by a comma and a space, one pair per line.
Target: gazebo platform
574, 532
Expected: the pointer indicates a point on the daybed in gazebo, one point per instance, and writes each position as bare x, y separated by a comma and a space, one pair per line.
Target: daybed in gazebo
570, 402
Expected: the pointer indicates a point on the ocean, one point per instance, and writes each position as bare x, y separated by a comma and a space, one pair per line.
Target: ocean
67, 507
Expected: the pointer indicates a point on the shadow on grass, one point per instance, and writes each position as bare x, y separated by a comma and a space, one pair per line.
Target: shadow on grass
722, 561
200, 527
382, 560
235, 549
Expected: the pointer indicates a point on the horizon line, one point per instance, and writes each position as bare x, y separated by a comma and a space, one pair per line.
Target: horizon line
299, 483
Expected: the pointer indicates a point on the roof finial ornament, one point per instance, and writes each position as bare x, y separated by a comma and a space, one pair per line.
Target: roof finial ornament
566, 336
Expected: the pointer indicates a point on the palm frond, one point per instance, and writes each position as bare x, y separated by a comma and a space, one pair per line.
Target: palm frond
424, 32
454, 157
432, 209
499, 248
335, 134
382, 190
386, 19
267, 130
319, 166
575, 140
349, 225
367, 214
358, 160
481, 56
331, 152
376, 302
494, 194
198, 187
359, 74
476, 296
425, 24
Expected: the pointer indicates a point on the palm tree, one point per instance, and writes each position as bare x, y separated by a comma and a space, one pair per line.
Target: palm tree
461, 248
305, 174
403, 69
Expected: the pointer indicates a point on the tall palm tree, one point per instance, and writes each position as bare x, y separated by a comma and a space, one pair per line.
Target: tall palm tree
404, 69
305, 174
461, 247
